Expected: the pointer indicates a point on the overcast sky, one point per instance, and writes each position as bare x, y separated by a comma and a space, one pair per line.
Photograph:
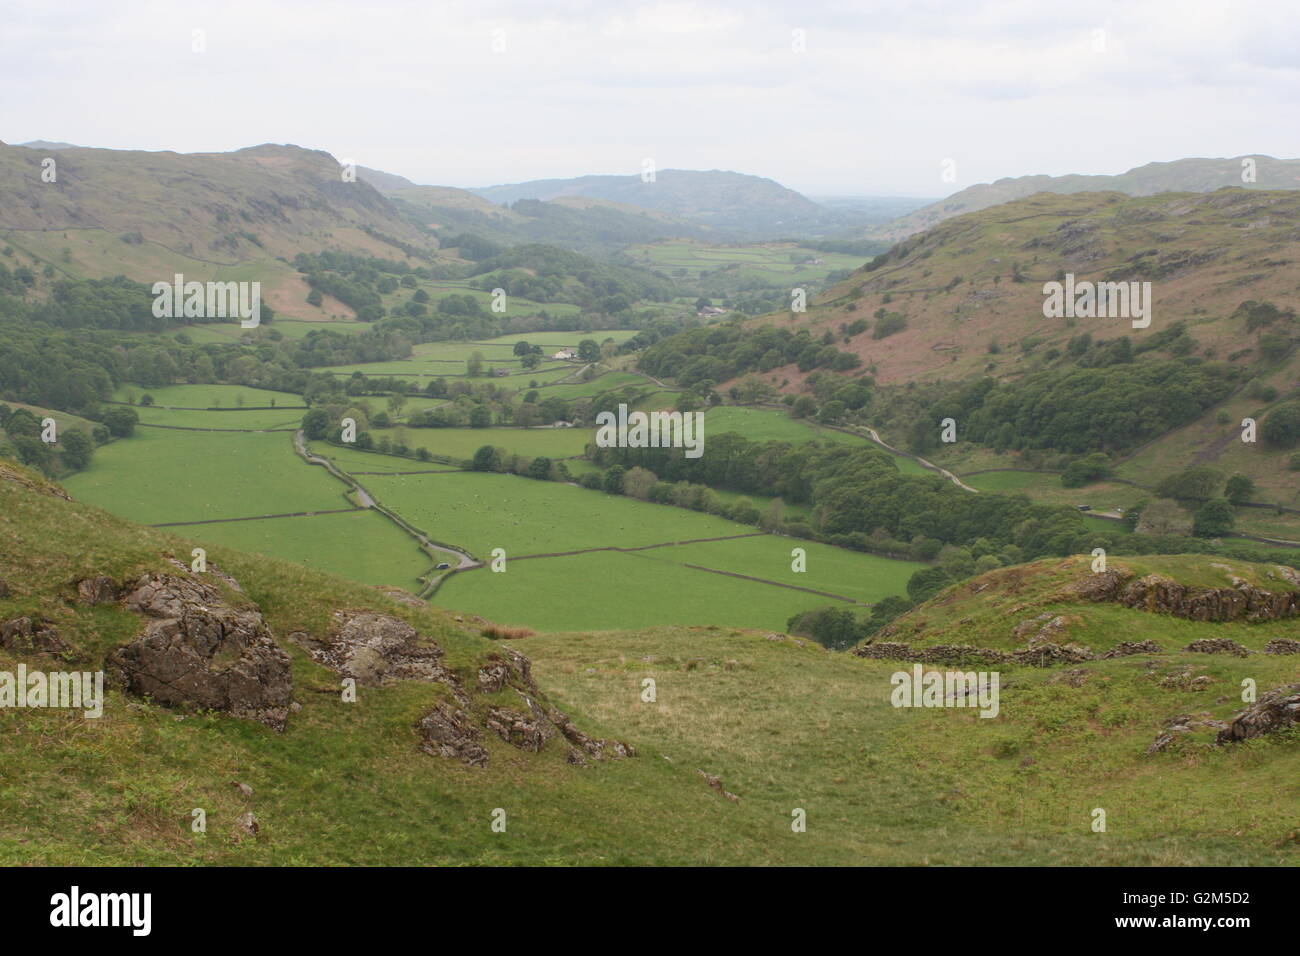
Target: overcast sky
881, 95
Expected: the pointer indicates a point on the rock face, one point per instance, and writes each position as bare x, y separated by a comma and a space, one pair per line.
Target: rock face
97, 590
1159, 594
1276, 710
375, 649
447, 731
26, 634
199, 652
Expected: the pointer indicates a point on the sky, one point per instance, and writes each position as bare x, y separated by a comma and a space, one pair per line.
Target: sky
829, 98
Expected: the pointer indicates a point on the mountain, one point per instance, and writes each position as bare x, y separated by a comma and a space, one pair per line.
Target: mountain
727, 203
1183, 175
141, 212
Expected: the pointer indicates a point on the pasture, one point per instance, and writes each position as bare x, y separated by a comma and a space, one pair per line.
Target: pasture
160, 476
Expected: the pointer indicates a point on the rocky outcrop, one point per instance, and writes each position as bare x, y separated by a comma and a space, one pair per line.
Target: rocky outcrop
28, 635
1042, 654
525, 731
1129, 648
375, 649
199, 652
504, 669
715, 784
1217, 645
1282, 645
1159, 594
1045, 627
448, 731
99, 589
1276, 710
1176, 727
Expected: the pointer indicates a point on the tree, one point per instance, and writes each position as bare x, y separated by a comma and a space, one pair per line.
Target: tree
522, 348
926, 583
480, 416
1238, 489
474, 367
1193, 484
1084, 471
1213, 519
121, 421
638, 482
805, 406
315, 424
588, 351
1281, 427
486, 458
613, 480
832, 413
77, 449
314, 297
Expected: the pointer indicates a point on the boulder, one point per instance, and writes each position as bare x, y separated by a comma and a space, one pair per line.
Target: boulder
375, 649
31, 635
198, 652
1276, 710
99, 589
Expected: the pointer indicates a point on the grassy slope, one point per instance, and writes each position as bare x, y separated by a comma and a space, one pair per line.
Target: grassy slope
784, 723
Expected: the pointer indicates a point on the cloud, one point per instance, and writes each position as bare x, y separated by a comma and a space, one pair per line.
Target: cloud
882, 92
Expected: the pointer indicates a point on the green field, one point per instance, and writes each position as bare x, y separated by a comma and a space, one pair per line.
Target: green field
162, 476
481, 511
354, 460
865, 578
768, 263
596, 386
449, 358
461, 443
361, 546
656, 586
607, 591
207, 396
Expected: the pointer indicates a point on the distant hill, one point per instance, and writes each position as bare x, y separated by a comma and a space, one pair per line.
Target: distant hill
963, 302
223, 208
727, 203
1183, 175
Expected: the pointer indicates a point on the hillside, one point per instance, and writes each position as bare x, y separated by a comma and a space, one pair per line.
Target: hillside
726, 203
580, 223
1183, 175
745, 727
950, 324
148, 215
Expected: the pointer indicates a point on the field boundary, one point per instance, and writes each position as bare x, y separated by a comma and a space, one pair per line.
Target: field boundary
287, 514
